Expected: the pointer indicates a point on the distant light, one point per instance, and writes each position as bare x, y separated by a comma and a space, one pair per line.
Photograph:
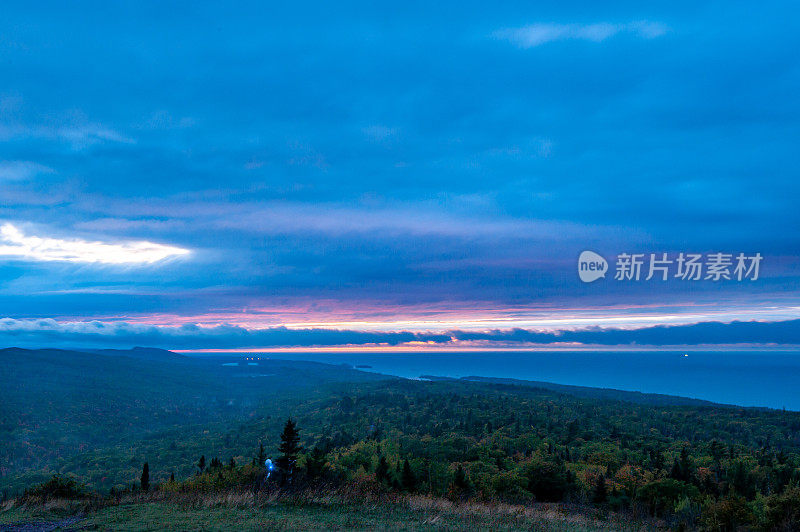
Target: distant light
14, 243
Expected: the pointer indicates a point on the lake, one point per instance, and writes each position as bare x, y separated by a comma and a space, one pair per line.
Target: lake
747, 378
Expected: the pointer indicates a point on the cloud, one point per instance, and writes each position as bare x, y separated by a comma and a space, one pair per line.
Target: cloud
284, 217
22, 170
14, 243
705, 333
538, 34
49, 332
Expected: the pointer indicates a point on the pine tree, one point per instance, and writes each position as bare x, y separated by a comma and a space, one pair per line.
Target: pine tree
145, 481
600, 491
408, 480
262, 456
382, 471
290, 448
172, 477
675, 472
315, 462
202, 463
686, 465
460, 479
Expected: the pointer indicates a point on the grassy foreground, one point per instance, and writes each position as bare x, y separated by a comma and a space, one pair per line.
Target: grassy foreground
238, 511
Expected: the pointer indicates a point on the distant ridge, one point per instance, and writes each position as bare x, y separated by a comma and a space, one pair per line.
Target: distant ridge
651, 399
139, 353
142, 353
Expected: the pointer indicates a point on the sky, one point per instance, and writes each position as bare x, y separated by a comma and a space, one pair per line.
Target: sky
263, 175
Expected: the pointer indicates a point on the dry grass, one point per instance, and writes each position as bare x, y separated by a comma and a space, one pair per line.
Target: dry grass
352, 507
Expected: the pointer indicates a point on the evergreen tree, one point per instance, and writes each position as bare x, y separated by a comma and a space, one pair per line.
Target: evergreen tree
382, 471
600, 491
315, 462
202, 463
675, 472
682, 467
460, 481
172, 477
408, 479
145, 480
686, 465
262, 456
290, 448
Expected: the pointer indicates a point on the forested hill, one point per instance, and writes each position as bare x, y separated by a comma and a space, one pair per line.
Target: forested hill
654, 399
57, 404
142, 353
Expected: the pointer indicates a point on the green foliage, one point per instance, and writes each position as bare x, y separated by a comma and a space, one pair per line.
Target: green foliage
81, 401
728, 513
316, 463
408, 480
58, 487
600, 492
290, 449
145, 478
548, 481
382, 471
782, 510
664, 494
461, 487
692, 464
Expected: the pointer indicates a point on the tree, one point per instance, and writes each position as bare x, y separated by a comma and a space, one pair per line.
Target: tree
201, 464
731, 513
346, 404
289, 448
460, 478
382, 471
783, 510
600, 491
408, 480
460, 486
547, 481
315, 462
145, 481
663, 494
172, 477
262, 455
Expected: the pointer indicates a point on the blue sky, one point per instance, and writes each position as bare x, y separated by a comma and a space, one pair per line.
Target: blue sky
416, 170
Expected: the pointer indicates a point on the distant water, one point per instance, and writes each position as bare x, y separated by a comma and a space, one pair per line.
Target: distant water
747, 378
